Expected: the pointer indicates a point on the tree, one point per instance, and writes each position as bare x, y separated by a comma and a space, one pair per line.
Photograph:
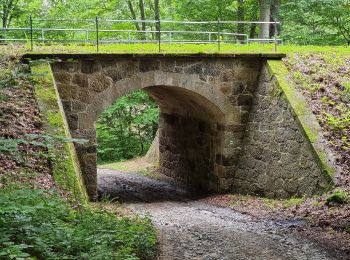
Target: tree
141, 6
9, 10
143, 17
322, 21
133, 14
127, 128
265, 11
337, 13
275, 8
157, 16
240, 17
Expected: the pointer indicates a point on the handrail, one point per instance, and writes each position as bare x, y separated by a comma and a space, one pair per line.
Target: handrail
98, 34
154, 21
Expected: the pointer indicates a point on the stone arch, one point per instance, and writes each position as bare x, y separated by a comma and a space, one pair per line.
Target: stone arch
204, 105
191, 113
219, 104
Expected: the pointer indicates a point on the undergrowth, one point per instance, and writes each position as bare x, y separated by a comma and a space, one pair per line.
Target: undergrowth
39, 224
38, 217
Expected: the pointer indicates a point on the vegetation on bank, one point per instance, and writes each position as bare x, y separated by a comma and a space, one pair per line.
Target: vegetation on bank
38, 223
323, 78
40, 216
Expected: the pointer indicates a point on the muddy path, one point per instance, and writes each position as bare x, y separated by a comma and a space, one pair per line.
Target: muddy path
192, 229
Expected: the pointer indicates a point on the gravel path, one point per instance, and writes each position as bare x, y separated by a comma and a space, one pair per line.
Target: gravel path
192, 229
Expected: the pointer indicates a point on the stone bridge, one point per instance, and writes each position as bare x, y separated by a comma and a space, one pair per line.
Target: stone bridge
224, 123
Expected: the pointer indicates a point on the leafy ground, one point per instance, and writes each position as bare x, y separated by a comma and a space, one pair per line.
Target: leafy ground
324, 79
136, 165
36, 219
20, 161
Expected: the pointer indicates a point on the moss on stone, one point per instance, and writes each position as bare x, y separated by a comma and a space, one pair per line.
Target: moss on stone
310, 134
303, 115
324, 160
66, 169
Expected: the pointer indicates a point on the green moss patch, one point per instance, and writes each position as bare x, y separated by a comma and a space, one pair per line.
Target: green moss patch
66, 168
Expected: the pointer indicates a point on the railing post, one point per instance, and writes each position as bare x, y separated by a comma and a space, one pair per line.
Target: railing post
159, 36
42, 36
86, 36
31, 33
97, 36
275, 36
219, 40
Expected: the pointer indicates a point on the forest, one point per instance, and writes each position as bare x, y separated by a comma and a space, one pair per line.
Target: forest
318, 22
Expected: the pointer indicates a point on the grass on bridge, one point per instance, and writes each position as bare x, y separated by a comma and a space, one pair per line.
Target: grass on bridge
173, 48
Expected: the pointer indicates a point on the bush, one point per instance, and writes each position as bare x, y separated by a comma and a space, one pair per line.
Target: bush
39, 224
127, 128
338, 196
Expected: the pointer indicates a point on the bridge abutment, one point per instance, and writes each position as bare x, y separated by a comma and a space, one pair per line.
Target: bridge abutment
224, 124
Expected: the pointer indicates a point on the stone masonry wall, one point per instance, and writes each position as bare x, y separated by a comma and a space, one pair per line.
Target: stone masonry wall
200, 92
223, 123
188, 150
276, 160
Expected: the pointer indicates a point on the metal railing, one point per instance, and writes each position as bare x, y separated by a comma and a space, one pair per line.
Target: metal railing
97, 32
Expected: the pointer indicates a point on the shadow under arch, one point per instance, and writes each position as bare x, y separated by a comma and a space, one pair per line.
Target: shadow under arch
190, 113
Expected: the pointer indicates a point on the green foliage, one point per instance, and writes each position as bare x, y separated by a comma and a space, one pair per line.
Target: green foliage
39, 224
323, 22
126, 129
11, 146
9, 78
339, 196
294, 201
339, 123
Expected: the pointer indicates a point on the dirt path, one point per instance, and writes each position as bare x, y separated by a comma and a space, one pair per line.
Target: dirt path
192, 229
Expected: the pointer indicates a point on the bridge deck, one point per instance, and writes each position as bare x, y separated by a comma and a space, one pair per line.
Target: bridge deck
66, 56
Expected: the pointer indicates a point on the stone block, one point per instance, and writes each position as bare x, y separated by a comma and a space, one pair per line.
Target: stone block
90, 66
99, 82
245, 100
149, 64
81, 80
63, 77
72, 121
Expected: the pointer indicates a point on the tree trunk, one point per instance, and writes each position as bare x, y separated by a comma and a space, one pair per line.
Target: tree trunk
252, 33
275, 8
143, 24
265, 11
7, 7
240, 17
157, 17
133, 14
